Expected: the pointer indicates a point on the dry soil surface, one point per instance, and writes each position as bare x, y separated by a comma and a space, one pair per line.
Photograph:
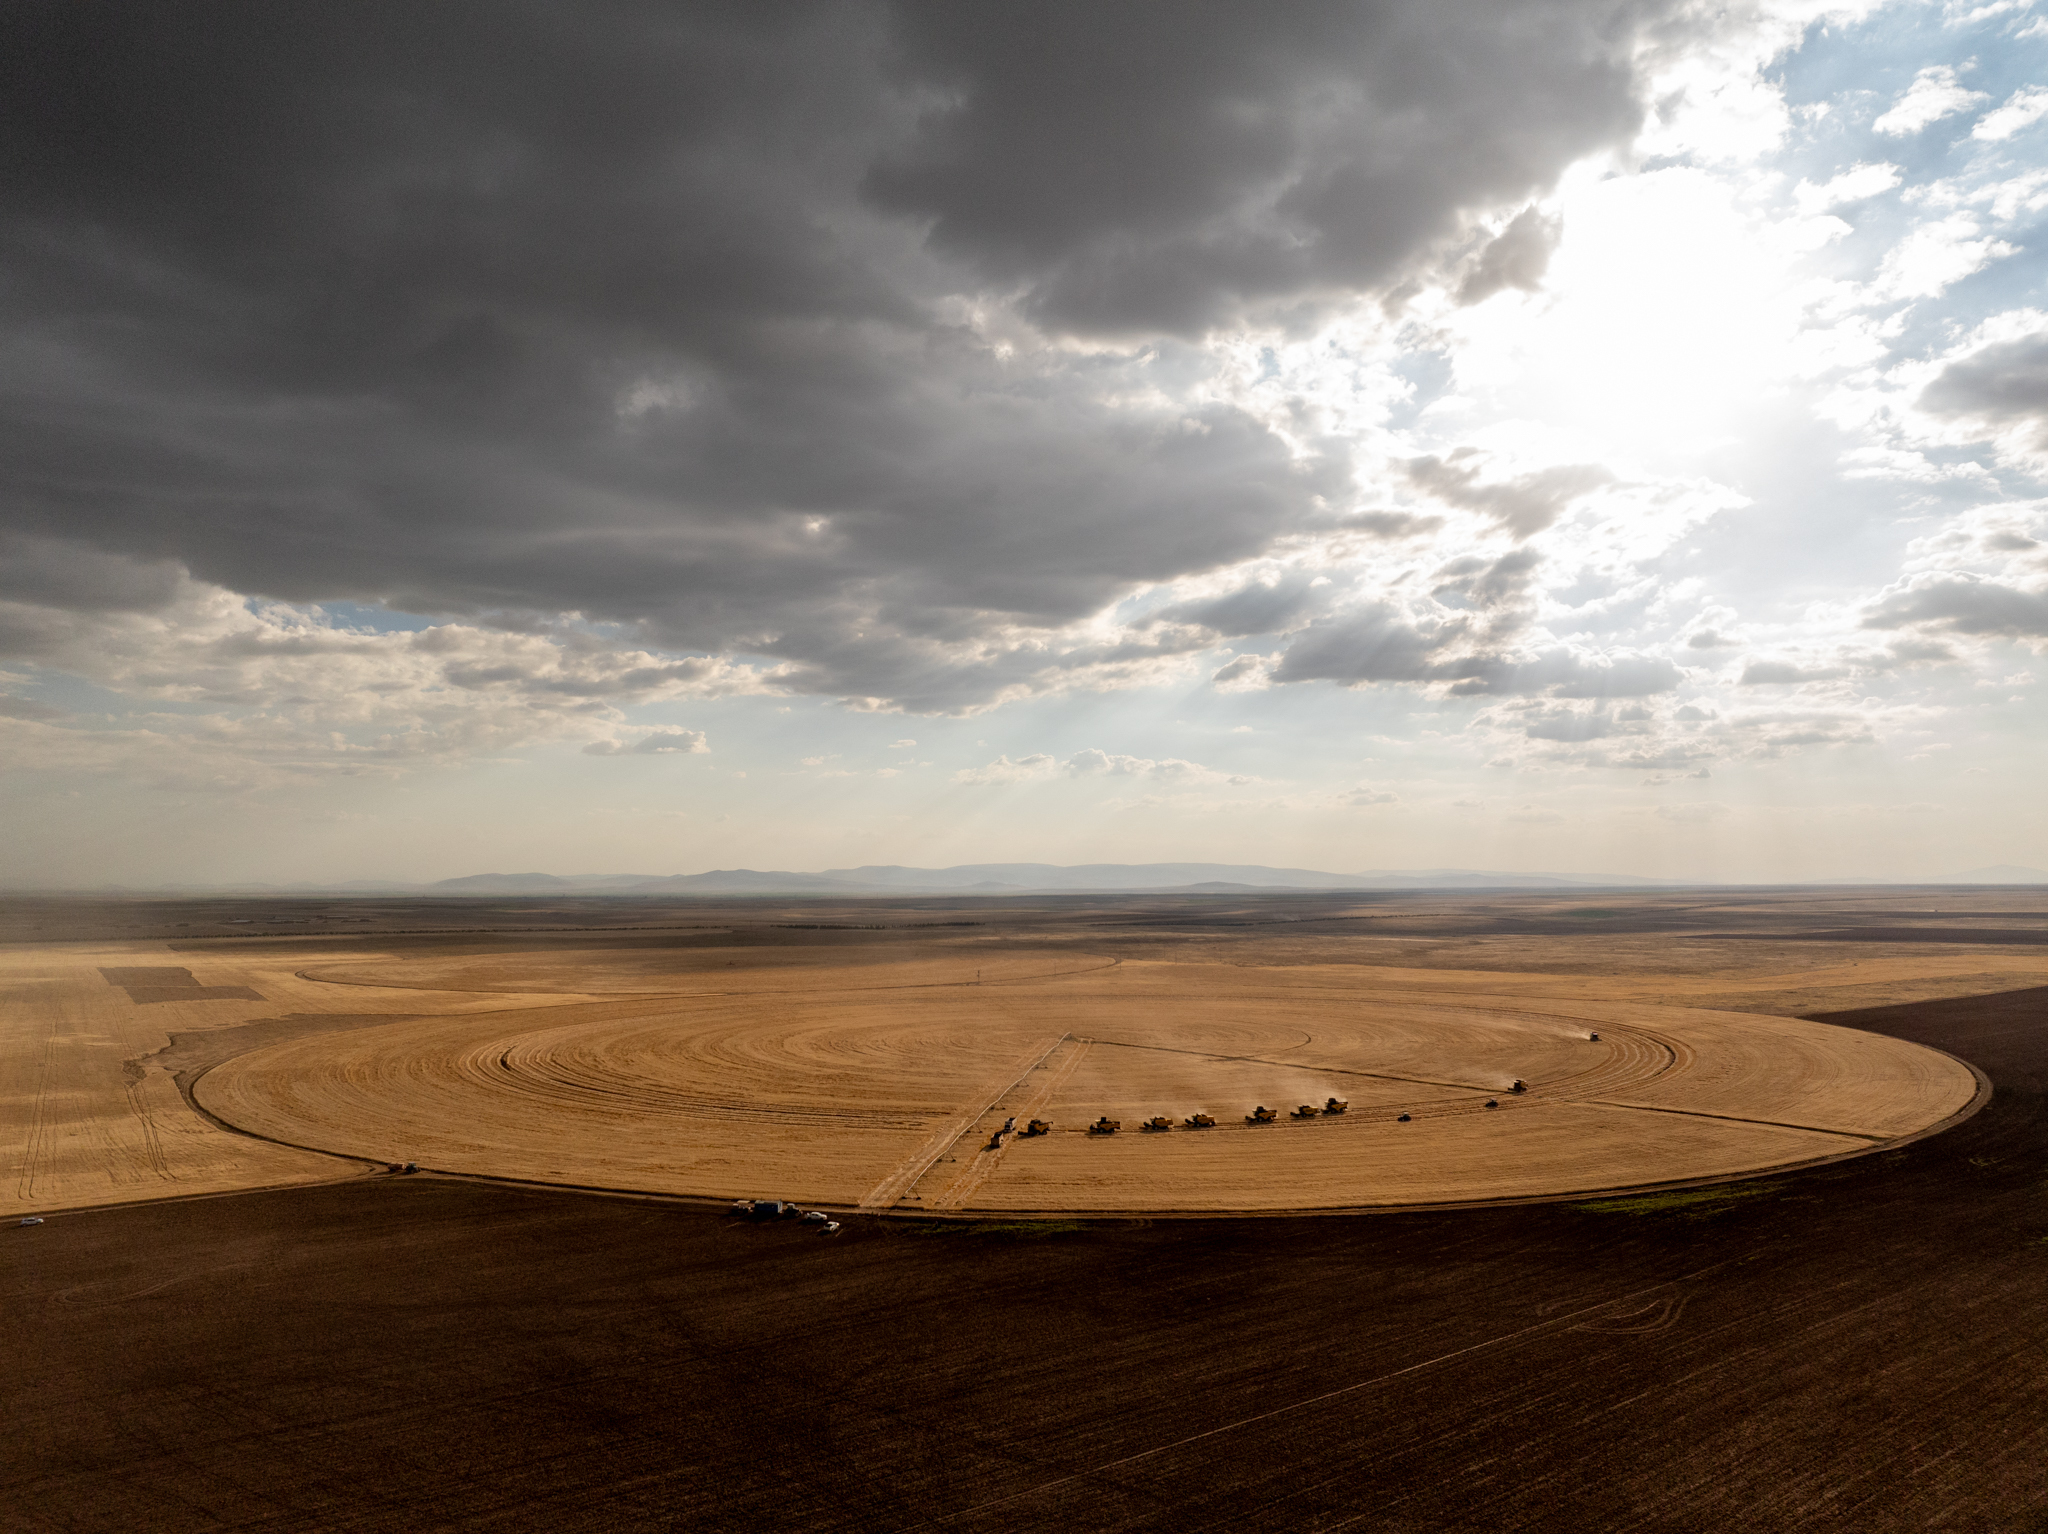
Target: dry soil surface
1857, 1347
862, 1053
887, 1086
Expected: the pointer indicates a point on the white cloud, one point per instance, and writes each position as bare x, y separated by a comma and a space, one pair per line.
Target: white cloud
2022, 109
1004, 770
1934, 94
1936, 255
1365, 795
295, 690
1971, 13
1856, 184
658, 743
1094, 763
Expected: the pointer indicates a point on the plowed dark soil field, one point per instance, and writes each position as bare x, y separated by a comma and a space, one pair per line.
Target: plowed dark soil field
1857, 1347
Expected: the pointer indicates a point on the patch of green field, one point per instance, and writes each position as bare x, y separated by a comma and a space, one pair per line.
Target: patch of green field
1692, 1203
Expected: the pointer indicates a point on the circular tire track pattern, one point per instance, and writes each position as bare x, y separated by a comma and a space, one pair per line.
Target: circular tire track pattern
884, 1090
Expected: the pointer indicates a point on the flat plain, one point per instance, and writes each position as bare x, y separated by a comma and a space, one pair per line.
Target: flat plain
1856, 1344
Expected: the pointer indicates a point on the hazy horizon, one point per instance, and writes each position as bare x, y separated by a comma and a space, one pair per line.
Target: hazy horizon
998, 879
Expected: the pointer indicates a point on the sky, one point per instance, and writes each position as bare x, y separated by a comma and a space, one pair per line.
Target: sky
1597, 436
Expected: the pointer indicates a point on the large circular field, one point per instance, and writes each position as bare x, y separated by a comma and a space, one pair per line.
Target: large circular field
883, 1087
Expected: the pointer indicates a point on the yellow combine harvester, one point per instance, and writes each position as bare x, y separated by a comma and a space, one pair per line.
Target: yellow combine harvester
1158, 1124
1200, 1121
1305, 1111
1263, 1116
1037, 1127
1105, 1126
1336, 1105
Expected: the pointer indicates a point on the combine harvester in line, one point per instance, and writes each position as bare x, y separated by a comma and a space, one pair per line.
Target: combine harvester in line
1037, 1127
1161, 1123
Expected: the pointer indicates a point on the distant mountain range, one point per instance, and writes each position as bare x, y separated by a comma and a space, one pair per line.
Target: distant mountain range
996, 879
1023, 879
2000, 873
1087, 878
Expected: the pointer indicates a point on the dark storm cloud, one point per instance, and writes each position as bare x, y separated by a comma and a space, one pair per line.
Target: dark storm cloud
1765, 673
1563, 673
1476, 582
1380, 643
1376, 643
51, 573
2004, 384
1524, 504
1257, 608
658, 315
1568, 725
1964, 604
1389, 524
1517, 258
1151, 167
27, 708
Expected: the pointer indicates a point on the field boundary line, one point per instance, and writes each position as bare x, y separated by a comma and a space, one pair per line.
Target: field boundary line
1727, 1118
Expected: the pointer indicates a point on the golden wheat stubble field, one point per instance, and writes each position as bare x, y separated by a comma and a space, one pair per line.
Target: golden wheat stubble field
884, 1088
877, 1078
90, 1113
